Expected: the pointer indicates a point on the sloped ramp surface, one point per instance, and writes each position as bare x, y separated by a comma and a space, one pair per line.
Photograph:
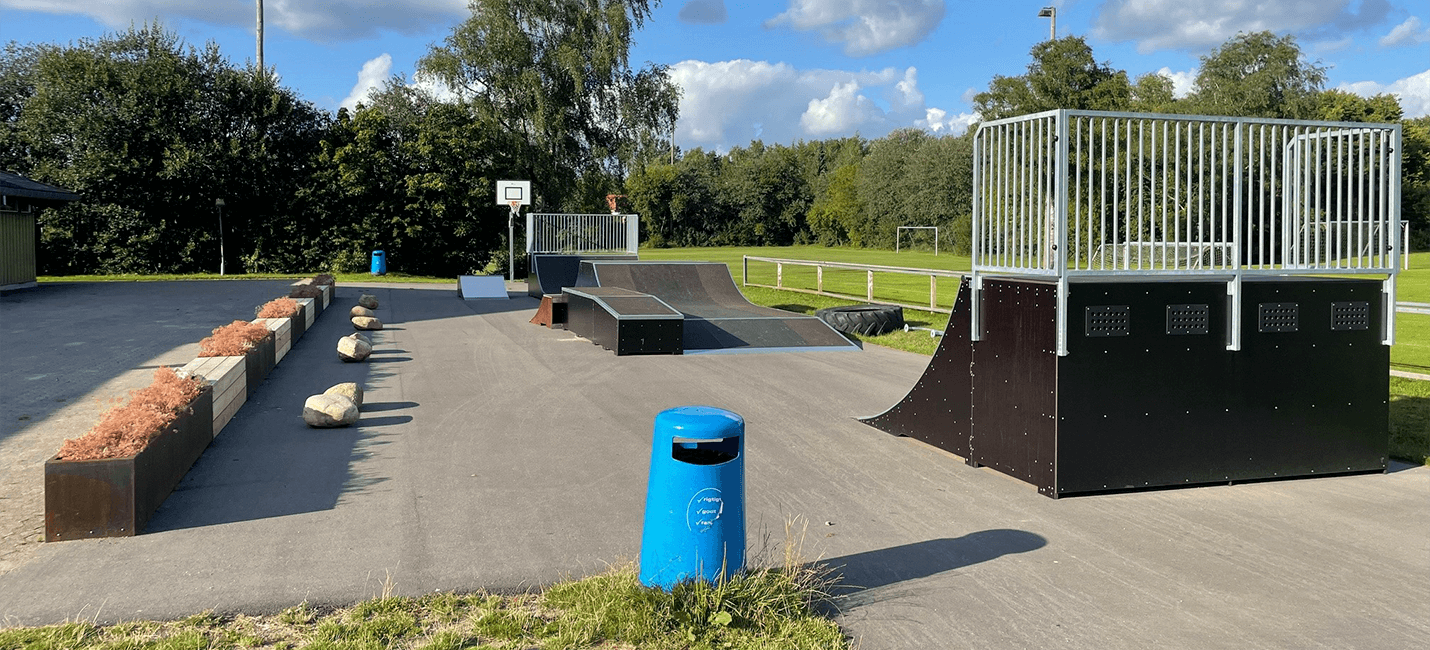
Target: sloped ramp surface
718, 318
547, 274
939, 408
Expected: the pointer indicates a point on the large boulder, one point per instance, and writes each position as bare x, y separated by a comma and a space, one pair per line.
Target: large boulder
327, 411
368, 300
366, 323
354, 348
349, 390
360, 310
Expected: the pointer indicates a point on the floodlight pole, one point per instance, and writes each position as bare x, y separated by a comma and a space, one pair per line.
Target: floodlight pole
218, 203
1048, 12
260, 39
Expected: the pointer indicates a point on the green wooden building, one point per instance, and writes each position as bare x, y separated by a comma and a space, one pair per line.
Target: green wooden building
21, 199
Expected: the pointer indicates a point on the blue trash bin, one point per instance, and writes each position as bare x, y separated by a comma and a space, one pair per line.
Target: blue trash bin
379, 263
695, 500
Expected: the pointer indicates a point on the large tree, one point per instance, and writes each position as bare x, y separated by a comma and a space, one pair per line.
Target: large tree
555, 78
1062, 74
1258, 75
150, 132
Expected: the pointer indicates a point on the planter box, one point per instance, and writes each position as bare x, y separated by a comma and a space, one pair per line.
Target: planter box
115, 497
322, 301
310, 311
227, 376
259, 361
282, 335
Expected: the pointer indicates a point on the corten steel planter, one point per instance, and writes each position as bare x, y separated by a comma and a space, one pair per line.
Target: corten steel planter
115, 497
259, 361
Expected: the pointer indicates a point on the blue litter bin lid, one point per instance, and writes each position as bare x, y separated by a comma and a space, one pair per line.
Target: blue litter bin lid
699, 422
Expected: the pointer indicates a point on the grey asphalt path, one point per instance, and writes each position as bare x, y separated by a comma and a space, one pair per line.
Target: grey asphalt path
501, 455
67, 349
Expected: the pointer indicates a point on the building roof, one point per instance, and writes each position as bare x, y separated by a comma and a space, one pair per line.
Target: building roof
17, 185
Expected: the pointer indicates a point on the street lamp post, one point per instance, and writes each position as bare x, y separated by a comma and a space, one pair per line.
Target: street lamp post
1050, 12
218, 203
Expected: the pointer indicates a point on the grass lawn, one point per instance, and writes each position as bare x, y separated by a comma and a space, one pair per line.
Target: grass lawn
768, 609
168, 277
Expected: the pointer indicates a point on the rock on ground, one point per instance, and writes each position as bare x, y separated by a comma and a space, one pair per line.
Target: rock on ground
327, 411
366, 323
354, 348
349, 390
360, 310
368, 300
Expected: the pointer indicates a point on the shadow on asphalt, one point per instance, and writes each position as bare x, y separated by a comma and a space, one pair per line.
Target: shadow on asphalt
63, 340
866, 573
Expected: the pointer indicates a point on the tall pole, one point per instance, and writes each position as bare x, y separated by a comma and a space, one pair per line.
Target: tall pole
260, 39
1050, 12
219, 204
511, 242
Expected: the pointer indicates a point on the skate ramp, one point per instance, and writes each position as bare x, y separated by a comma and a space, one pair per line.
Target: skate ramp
718, 318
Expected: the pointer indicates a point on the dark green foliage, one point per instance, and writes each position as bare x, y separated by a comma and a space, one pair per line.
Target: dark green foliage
1258, 75
1062, 74
150, 132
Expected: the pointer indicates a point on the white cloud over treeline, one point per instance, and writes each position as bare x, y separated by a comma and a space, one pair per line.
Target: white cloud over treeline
729, 103
1203, 24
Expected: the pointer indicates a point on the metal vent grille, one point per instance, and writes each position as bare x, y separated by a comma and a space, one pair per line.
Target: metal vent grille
1278, 316
1188, 319
1350, 316
1109, 320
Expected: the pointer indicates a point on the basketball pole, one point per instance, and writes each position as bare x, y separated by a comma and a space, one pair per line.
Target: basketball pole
511, 241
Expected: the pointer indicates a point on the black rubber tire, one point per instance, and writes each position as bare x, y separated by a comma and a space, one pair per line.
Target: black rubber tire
864, 320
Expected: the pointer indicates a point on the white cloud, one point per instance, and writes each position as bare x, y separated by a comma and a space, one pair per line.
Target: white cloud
1178, 24
728, 103
317, 20
370, 78
864, 26
939, 121
1182, 81
841, 112
704, 12
1406, 33
1413, 91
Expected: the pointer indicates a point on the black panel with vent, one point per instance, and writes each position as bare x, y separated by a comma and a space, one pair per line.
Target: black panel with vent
1109, 320
1185, 320
1278, 317
1350, 316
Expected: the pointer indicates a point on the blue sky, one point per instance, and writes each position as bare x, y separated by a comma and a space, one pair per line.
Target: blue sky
794, 69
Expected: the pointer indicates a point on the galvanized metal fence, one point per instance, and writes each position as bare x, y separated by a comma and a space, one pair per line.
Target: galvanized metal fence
582, 233
1066, 193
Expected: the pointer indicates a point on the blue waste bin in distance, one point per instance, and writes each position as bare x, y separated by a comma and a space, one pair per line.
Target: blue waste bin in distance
695, 499
379, 263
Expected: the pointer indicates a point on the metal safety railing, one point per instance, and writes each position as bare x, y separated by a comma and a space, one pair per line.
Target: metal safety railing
868, 269
1066, 193
582, 233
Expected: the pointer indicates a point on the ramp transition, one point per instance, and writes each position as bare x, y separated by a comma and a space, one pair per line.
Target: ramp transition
718, 318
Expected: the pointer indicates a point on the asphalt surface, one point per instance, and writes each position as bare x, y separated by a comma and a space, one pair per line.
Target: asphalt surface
495, 454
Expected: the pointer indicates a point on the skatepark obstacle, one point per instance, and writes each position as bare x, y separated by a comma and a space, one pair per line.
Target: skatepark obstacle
1166, 300
717, 317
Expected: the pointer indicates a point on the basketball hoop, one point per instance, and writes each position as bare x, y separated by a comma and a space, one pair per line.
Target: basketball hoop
515, 206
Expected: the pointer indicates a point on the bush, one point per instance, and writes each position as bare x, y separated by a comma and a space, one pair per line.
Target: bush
278, 308
232, 340
125, 430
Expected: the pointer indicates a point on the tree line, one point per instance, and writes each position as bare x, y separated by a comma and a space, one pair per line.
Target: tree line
857, 191
150, 131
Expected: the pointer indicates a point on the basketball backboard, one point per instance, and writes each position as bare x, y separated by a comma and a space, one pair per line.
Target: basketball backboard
508, 191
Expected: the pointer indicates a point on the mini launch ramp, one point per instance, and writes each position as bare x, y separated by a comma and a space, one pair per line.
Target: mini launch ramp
718, 318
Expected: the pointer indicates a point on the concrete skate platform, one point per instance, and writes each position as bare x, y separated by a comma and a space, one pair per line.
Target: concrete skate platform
496, 454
